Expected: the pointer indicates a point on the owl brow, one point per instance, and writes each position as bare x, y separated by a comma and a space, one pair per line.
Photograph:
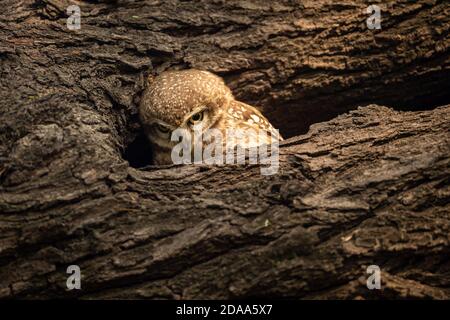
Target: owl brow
196, 110
161, 123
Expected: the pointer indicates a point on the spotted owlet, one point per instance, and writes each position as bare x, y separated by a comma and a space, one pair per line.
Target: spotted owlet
192, 98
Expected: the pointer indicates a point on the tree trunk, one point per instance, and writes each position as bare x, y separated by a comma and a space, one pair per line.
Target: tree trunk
369, 187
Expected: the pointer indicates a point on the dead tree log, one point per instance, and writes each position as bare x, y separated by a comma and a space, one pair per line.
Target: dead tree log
370, 187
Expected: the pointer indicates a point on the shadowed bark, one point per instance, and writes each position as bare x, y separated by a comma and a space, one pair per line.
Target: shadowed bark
368, 187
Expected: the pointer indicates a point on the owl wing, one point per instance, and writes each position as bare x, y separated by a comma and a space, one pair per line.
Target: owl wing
245, 116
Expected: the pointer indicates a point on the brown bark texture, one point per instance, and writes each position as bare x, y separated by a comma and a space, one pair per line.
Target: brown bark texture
363, 178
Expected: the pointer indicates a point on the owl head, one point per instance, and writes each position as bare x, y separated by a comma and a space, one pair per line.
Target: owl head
183, 99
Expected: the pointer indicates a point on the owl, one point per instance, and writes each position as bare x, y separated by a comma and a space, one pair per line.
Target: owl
192, 99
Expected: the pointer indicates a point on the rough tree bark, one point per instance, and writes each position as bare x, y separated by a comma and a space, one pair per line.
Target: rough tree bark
370, 187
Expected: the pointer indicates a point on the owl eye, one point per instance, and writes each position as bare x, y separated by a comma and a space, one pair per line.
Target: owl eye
162, 128
196, 118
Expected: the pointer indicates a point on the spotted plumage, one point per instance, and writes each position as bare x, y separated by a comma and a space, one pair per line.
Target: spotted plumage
187, 98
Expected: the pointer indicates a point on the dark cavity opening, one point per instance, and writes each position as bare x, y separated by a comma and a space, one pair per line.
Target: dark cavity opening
294, 118
138, 153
